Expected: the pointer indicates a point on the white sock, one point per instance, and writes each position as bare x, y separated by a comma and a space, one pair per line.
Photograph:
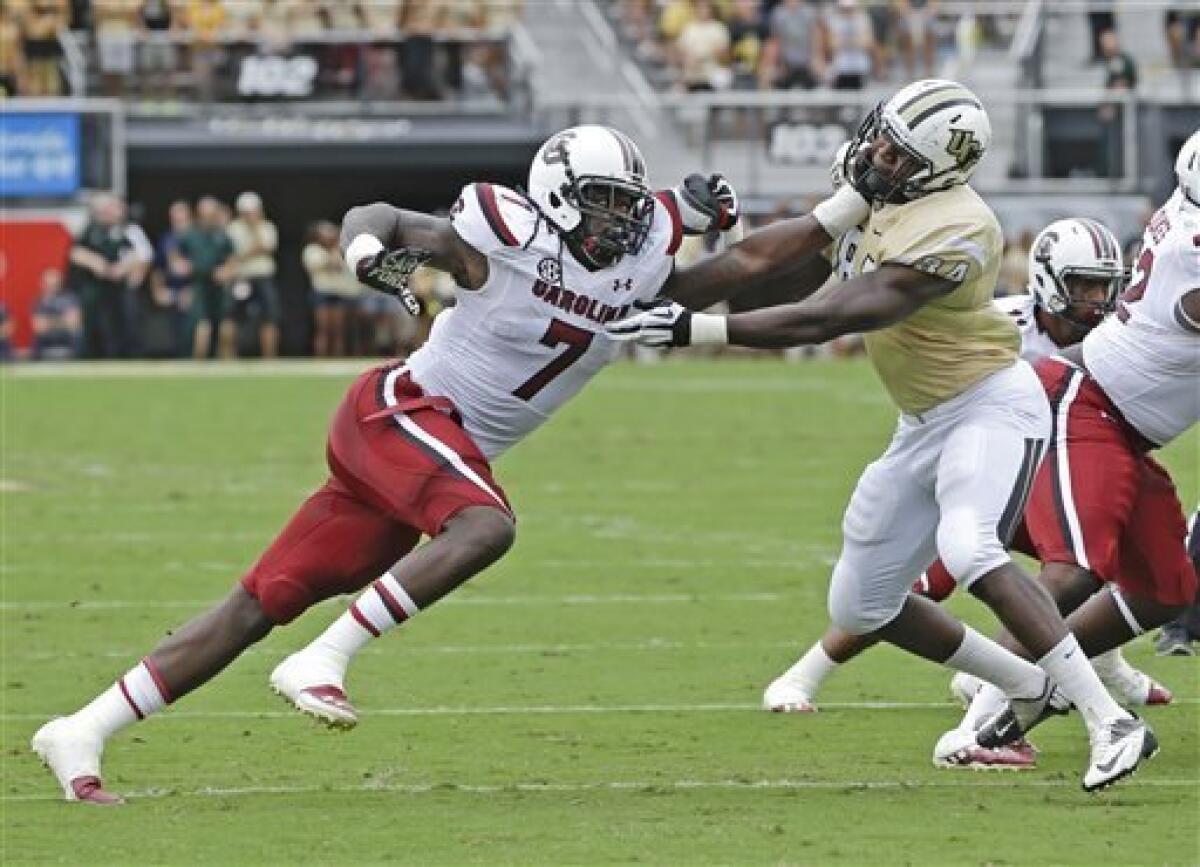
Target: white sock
987, 701
810, 672
381, 608
137, 695
1070, 669
990, 662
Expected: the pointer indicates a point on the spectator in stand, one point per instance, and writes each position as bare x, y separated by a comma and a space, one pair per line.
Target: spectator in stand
255, 295
6, 333
795, 49
1014, 265
381, 70
12, 54
1120, 77
115, 23
1183, 38
112, 257
1101, 19
177, 275
336, 292
674, 17
915, 20
210, 262
747, 35
158, 59
57, 321
41, 22
853, 55
419, 21
205, 20
702, 51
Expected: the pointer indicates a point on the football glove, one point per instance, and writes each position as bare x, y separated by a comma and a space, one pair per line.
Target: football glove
390, 270
668, 323
705, 205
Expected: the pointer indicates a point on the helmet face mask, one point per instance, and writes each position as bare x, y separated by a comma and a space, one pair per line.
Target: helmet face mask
590, 184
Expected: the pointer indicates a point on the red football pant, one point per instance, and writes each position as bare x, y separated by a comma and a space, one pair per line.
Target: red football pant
394, 477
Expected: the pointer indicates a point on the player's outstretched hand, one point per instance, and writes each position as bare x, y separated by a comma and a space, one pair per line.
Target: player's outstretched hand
665, 324
390, 270
707, 204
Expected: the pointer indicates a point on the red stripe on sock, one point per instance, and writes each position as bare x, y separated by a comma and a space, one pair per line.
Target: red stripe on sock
362, 620
133, 704
389, 602
157, 677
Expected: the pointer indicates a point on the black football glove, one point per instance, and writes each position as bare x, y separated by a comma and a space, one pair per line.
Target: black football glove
390, 270
705, 205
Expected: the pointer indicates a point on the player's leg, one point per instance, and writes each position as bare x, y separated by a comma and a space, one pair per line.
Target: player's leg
888, 538
322, 551
1119, 741
1177, 636
420, 467
795, 691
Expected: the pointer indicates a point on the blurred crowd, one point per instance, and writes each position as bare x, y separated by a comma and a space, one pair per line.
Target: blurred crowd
208, 287
158, 49
840, 44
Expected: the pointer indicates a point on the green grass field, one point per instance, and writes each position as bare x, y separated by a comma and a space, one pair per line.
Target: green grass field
591, 699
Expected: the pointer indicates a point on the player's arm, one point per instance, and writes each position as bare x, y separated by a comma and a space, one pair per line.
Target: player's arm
770, 254
371, 232
871, 301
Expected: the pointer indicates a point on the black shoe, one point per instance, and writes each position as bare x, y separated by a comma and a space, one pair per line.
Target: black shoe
1020, 715
1174, 640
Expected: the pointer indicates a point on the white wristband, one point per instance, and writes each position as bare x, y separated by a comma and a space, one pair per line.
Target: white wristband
709, 330
842, 211
362, 247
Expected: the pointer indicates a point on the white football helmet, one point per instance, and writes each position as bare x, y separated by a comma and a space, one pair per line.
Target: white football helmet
590, 183
837, 171
1187, 169
940, 126
1077, 247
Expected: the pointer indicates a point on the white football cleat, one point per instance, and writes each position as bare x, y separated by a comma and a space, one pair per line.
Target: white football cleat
313, 684
784, 696
957, 748
72, 753
1134, 687
1118, 747
963, 687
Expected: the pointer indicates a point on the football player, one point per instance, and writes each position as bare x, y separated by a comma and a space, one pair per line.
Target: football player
410, 446
1101, 507
1075, 275
974, 420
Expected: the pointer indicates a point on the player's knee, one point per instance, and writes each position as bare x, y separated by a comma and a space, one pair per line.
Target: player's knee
967, 549
483, 535
851, 611
281, 596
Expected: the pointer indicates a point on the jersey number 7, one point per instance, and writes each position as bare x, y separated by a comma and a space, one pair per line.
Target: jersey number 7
577, 339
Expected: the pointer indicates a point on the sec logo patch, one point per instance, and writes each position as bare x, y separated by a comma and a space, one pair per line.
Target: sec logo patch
549, 270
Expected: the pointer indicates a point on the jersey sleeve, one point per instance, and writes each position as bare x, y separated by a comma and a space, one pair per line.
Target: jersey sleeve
492, 219
956, 249
668, 221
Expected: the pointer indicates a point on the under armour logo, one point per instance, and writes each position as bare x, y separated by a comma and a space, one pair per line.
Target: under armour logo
626, 284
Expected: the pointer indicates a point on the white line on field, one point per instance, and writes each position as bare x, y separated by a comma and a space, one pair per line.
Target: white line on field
644, 786
546, 710
570, 599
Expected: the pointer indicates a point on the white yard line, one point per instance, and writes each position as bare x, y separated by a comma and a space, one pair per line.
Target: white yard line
534, 601
544, 710
647, 786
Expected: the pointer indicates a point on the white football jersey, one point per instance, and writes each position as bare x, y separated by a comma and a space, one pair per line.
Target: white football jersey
1035, 343
511, 352
1146, 357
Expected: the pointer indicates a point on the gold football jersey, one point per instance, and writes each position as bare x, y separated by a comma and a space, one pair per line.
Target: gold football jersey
954, 341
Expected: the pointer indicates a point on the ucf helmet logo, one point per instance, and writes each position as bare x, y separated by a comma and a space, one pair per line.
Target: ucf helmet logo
964, 147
